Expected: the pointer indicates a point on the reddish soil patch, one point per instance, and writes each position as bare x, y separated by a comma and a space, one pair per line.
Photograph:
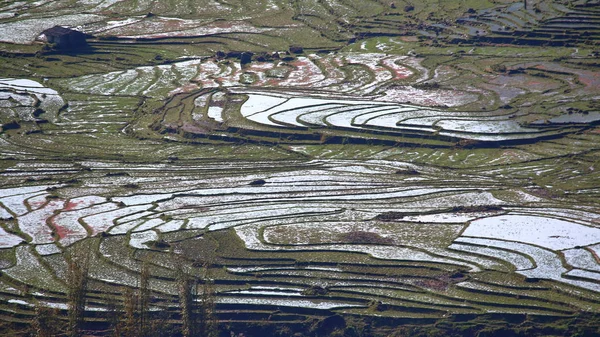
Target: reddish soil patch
409, 38
60, 231
71, 205
171, 25
195, 129
399, 72
303, 73
590, 79
437, 285
510, 153
36, 204
186, 88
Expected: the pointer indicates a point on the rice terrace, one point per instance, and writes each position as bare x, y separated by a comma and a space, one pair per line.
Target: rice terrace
314, 168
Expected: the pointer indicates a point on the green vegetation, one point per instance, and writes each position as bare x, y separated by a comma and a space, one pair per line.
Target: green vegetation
315, 168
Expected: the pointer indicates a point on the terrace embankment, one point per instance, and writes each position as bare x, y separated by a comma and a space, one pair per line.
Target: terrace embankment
373, 107
283, 252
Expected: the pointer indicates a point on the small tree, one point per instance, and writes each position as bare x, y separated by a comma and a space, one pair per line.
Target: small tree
45, 322
77, 285
187, 288
130, 326
113, 314
144, 299
207, 326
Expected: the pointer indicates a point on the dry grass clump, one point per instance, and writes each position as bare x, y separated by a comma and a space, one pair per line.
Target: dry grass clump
365, 237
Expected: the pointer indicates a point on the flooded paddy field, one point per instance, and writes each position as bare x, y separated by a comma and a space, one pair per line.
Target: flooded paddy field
330, 168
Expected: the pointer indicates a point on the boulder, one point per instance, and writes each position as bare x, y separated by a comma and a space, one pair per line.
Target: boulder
296, 50
245, 58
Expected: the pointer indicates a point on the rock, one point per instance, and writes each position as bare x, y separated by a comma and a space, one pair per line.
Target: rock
245, 58
296, 50
160, 244
390, 216
263, 57
10, 126
234, 54
37, 112
220, 54
315, 291
408, 171
258, 182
